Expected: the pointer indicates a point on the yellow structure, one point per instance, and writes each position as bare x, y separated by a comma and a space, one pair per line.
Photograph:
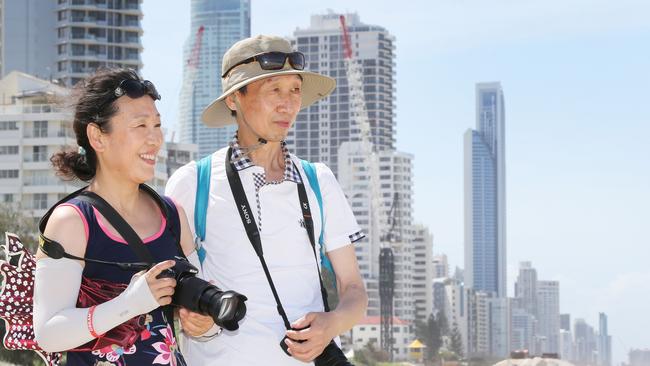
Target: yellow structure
416, 351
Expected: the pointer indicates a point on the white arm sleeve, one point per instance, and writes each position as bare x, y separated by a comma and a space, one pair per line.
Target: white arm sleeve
56, 289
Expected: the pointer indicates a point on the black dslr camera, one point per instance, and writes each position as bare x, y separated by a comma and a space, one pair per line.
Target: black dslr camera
332, 355
227, 308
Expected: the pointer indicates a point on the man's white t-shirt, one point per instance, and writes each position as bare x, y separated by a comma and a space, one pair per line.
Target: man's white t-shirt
232, 263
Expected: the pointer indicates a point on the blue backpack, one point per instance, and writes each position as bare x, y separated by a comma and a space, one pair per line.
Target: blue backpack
203, 171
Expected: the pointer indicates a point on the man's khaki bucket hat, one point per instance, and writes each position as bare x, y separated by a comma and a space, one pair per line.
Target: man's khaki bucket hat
314, 86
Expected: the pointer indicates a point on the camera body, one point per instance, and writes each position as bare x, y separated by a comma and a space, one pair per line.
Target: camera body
332, 355
226, 308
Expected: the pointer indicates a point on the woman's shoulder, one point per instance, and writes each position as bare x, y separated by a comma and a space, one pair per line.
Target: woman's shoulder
68, 226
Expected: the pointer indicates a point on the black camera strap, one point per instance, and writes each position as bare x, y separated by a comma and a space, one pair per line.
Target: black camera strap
127, 232
118, 222
253, 233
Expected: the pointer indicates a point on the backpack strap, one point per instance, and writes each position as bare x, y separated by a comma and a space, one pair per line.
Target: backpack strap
310, 171
203, 171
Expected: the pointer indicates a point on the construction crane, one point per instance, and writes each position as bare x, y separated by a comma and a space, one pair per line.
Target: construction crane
359, 114
189, 78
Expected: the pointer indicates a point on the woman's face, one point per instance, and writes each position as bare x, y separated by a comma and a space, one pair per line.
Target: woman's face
135, 136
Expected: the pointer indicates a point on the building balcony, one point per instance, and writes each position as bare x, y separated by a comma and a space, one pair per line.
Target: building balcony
29, 108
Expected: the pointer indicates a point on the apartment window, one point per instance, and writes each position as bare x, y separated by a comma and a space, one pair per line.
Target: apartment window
8, 150
40, 201
40, 128
8, 126
9, 174
8, 197
39, 153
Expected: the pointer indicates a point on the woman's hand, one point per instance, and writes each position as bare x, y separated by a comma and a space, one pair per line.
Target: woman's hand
162, 289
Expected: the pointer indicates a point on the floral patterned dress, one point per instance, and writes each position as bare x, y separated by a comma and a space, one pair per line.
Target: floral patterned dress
156, 344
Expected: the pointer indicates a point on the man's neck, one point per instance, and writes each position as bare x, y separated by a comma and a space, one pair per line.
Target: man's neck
268, 156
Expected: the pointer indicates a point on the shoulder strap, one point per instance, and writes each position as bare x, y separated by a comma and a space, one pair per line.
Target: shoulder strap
127, 232
310, 171
122, 227
203, 172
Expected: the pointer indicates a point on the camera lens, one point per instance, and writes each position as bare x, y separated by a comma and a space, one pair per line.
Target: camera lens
226, 308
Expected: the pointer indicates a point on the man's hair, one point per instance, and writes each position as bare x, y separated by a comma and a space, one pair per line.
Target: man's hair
243, 90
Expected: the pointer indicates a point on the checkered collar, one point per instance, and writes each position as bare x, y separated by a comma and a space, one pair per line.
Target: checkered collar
242, 161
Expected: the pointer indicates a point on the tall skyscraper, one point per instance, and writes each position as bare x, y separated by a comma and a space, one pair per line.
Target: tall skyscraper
485, 216
522, 330
440, 266
28, 37
422, 272
526, 288
224, 22
94, 34
585, 343
548, 309
604, 342
69, 39
322, 128
565, 322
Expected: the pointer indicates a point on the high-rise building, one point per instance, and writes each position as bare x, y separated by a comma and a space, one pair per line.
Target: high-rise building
526, 288
28, 37
567, 348
32, 127
604, 342
522, 330
639, 357
322, 128
440, 266
178, 155
438, 291
548, 309
565, 322
422, 272
585, 343
396, 191
457, 310
478, 324
224, 23
69, 39
96, 33
499, 311
485, 216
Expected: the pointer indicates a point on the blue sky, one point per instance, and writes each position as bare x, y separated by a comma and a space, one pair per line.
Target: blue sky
575, 76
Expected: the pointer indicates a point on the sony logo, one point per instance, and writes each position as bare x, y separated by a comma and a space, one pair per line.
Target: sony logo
246, 215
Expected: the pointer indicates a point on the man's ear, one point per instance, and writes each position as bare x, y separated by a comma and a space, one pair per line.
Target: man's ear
230, 102
96, 137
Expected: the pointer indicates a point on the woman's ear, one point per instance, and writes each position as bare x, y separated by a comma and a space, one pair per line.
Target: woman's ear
95, 137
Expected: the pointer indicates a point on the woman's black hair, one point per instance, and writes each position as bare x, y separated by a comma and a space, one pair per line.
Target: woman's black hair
94, 102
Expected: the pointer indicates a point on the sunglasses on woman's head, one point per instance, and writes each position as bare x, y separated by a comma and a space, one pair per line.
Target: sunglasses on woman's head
273, 61
136, 89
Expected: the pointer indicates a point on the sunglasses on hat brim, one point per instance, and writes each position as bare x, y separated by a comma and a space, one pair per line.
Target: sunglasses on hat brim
136, 89
273, 61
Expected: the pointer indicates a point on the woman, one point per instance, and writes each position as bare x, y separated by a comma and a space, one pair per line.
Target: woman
118, 131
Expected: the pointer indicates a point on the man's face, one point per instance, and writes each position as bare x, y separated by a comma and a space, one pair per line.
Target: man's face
269, 106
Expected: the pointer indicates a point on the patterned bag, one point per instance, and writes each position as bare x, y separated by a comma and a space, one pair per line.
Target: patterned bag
16, 299
16, 305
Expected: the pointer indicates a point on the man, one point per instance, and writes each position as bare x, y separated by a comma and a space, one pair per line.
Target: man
265, 86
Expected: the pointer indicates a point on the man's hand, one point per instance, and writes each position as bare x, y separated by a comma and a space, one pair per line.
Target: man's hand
195, 324
319, 330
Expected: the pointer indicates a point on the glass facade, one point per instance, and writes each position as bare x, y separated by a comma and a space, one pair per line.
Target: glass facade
224, 22
485, 244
